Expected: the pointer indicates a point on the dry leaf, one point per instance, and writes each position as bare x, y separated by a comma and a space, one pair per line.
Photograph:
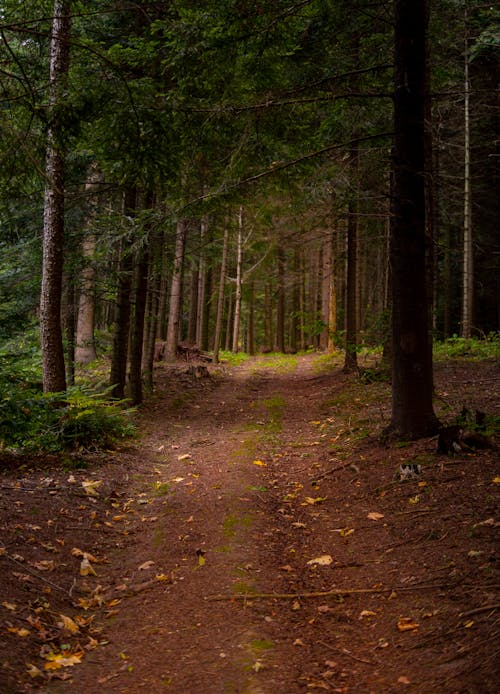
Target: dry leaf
373, 515
86, 568
20, 631
186, 456
298, 642
345, 532
59, 660
496, 480
407, 624
367, 613
44, 565
261, 463
403, 680
33, 671
9, 606
147, 565
324, 560
91, 486
68, 624
298, 524
311, 501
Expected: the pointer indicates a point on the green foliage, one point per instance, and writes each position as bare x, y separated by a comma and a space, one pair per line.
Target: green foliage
473, 348
29, 419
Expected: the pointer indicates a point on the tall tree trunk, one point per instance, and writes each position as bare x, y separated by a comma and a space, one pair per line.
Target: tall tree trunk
351, 359
237, 301
193, 303
122, 324
174, 312
468, 271
137, 332
326, 279
69, 328
412, 383
220, 298
280, 304
201, 332
85, 344
268, 317
53, 371
294, 322
251, 318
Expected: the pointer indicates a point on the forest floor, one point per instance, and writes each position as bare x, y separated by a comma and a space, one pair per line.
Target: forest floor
255, 539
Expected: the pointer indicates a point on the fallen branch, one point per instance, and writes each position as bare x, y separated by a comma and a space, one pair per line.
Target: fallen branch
332, 470
346, 652
37, 575
484, 608
327, 593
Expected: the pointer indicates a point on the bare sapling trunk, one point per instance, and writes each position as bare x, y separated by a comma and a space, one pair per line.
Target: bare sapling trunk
237, 300
220, 298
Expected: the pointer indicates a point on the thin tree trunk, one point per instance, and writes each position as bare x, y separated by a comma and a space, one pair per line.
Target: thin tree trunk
193, 303
137, 332
85, 344
280, 304
53, 371
268, 318
220, 298
69, 329
351, 359
122, 324
202, 288
237, 301
251, 318
326, 277
173, 329
468, 271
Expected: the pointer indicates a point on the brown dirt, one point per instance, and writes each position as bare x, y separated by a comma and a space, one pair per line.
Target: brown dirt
203, 533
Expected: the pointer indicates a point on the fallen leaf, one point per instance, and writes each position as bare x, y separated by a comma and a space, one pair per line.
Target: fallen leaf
44, 565
403, 680
19, 631
407, 624
185, 456
86, 568
91, 486
298, 524
323, 560
9, 606
414, 499
468, 625
367, 613
147, 565
261, 463
298, 642
258, 666
33, 671
68, 624
59, 660
311, 501
345, 532
496, 480
375, 516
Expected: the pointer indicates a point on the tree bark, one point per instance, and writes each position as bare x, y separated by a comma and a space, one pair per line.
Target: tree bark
237, 300
122, 324
351, 359
412, 383
53, 371
174, 312
468, 272
280, 304
85, 345
137, 333
220, 298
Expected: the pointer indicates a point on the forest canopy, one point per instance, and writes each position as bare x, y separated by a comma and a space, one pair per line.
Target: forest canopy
223, 175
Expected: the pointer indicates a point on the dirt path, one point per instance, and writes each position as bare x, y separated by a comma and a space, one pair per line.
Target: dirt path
257, 542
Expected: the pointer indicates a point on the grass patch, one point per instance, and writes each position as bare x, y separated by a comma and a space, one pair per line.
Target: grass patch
471, 349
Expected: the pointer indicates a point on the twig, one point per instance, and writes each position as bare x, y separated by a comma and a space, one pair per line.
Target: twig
346, 652
484, 608
333, 469
328, 593
37, 575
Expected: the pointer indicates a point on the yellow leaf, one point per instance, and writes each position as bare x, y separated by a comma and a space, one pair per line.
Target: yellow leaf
86, 568
33, 671
324, 560
468, 625
414, 499
407, 624
260, 462
59, 660
201, 560
91, 486
311, 501
9, 606
403, 680
19, 631
496, 480
162, 577
68, 624
375, 516
345, 532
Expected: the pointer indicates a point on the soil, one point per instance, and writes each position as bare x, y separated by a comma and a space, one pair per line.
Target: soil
256, 539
